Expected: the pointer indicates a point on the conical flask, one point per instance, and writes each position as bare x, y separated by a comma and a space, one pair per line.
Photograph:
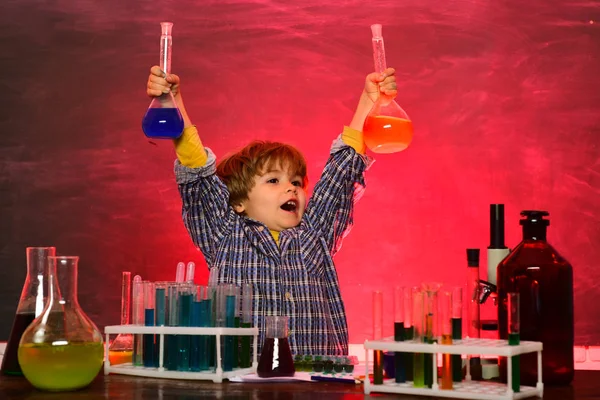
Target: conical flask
31, 304
62, 348
163, 119
387, 128
276, 356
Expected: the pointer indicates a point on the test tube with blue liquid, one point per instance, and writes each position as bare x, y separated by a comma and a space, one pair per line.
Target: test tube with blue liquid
246, 322
149, 313
196, 321
206, 322
137, 318
231, 307
186, 299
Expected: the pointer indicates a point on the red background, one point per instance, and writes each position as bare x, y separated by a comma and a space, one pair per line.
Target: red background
504, 97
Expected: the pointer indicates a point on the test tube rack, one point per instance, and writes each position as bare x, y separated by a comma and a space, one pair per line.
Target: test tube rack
467, 389
216, 376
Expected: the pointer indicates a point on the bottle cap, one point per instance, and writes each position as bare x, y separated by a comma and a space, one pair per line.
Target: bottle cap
473, 257
497, 226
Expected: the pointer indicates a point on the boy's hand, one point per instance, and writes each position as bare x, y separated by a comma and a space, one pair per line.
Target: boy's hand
159, 83
377, 84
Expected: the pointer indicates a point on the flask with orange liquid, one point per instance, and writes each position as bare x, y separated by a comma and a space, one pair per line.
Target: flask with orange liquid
387, 128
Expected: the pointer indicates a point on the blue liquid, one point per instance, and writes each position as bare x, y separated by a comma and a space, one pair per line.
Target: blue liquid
149, 355
185, 313
228, 341
195, 340
162, 123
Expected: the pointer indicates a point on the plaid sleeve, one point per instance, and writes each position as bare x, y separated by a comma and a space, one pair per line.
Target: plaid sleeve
331, 206
205, 205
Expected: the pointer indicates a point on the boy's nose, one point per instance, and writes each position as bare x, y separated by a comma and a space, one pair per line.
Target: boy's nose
292, 189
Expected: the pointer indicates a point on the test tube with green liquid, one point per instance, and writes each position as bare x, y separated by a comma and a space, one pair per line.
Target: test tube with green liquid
399, 367
377, 335
457, 310
419, 336
246, 322
514, 338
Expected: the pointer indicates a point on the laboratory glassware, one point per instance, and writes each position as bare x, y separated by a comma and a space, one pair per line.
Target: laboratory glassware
245, 361
62, 349
276, 356
163, 119
137, 318
514, 338
474, 316
457, 311
446, 333
377, 335
121, 349
409, 331
399, 364
31, 303
431, 328
418, 314
544, 280
387, 128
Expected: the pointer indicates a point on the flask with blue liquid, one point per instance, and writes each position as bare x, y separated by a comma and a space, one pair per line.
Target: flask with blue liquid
163, 119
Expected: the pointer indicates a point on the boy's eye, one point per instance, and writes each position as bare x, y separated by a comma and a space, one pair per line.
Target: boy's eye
297, 183
273, 180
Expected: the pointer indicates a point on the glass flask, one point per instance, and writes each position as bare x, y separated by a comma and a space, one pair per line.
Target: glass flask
121, 349
31, 304
163, 119
62, 348
544, 281
276, 357
387, 128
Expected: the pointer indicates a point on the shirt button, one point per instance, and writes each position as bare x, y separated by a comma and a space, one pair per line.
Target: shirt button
288, 296
261, 228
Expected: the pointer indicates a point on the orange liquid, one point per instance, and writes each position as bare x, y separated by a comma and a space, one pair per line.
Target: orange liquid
120, 357
447, 365
383, 134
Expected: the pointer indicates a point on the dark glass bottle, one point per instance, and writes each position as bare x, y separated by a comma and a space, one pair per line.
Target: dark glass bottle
544, 281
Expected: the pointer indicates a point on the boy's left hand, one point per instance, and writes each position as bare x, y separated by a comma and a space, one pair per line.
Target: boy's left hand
377, 84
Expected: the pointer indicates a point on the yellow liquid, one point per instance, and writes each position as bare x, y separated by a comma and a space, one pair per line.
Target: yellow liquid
68, 367
120, 357
447, 365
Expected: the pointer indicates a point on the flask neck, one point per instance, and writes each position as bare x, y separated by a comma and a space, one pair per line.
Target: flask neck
534, 232
34, 294
62, 282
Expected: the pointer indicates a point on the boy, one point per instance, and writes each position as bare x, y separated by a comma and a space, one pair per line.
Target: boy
249, 217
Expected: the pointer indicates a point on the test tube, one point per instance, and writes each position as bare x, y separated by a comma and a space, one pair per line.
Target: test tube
399, 367
189, 275
196, 320
213, 277
180, 273
409, 331
431, 327
473, 321
230, 301
377, 335
121, 349
138, 319
160, 317
172, 355
246, 323
419, 336
446, 330
457, 331
205, 321
149, 312
186, 298
514, 338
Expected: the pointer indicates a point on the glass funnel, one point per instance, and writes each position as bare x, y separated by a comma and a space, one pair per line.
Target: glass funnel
387, 128
62, 348
163, 119
31, 304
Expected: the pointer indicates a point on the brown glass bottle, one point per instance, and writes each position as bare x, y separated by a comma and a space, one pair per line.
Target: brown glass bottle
544, 281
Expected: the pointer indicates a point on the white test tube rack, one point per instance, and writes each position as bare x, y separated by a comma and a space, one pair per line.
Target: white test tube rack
217, 375
467, 389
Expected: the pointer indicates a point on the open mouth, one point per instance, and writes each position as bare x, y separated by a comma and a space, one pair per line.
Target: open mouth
290, 206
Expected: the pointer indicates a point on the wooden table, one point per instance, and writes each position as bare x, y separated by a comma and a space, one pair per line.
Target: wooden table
585, 386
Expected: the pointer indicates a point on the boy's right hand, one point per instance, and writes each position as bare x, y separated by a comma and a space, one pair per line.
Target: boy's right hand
159, 83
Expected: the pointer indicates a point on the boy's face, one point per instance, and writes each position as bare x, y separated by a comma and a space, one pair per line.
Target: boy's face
276, 199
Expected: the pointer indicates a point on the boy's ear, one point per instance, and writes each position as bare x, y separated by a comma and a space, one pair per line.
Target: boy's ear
239, 208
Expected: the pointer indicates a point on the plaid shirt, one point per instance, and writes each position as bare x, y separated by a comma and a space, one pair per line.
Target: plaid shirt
297, 278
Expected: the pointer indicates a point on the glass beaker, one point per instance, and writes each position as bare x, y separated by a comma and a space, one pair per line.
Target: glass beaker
62, 348
163, 119
387, 128
31, 304
121, 349
276, 357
